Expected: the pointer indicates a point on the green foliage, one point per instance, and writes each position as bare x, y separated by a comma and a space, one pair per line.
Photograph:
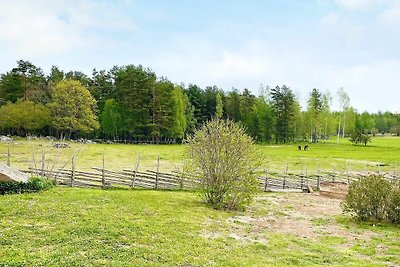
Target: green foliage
111, 119
223, 156
373, 198
315, 107
394, 203
34, 184
73, 107
24, 115
358, 137
284, 107
219, 110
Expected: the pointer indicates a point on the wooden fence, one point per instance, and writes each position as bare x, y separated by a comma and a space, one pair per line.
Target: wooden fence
150, 179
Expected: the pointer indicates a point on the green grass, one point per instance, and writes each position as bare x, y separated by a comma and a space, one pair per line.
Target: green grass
81, 227
383, 154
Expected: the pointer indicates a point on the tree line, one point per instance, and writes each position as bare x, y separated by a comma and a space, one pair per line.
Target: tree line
132, 102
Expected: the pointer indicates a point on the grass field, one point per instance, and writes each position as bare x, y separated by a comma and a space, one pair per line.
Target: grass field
82, 227
383, 153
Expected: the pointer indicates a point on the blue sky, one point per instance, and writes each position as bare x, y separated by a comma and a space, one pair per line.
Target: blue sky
324, 44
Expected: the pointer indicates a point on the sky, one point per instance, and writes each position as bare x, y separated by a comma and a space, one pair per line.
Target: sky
323, 44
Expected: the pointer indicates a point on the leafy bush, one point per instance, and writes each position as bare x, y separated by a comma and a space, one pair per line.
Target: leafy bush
34, 184
394, 203
373, 198
223, 156
359, 137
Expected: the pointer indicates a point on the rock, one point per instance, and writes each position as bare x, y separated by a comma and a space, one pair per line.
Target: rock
60, 145
9, 174
4, 138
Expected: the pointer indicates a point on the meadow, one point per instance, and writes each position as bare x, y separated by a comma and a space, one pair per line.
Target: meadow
92, 227
382, 154
131, 227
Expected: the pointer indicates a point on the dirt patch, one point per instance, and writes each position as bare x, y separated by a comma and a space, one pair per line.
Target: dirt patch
335, 190
310, 216
302, 215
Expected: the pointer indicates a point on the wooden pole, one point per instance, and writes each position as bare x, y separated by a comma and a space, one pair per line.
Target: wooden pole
43, 161
266, 179
103, 175
306, 174
318, 179
158, 171
136, 170
8, 155
73, 171
284, 176
348, 172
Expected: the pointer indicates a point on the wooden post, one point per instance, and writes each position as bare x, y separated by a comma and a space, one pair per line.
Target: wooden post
348, 172
158, 171
8, 155
180, 177
266, 180
136, 170
306, 175
43, 162
318, 179
73, 171
284, 176
103, 176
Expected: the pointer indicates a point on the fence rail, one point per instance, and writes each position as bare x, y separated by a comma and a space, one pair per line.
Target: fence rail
150, 179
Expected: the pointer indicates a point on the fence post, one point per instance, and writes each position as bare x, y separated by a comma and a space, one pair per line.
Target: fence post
103, 176
136, 170
318, 179
306, 175
8, 155
158, 170
73, 171
266, 180
284, 176
348, 172
179, 176
43, 162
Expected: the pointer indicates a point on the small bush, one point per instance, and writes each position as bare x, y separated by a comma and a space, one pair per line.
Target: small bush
394, 203
373, 198
34, 184
223, 156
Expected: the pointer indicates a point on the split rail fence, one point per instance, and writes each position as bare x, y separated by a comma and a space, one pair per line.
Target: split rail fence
150, 179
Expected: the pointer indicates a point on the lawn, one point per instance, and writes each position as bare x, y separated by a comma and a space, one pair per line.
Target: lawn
81, 227
382, 154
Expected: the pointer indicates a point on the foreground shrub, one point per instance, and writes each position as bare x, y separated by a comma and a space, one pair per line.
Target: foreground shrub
373, 198
34, 184
223, 156
394, 203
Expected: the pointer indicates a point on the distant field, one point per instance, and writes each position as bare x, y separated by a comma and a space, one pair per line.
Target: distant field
382, 154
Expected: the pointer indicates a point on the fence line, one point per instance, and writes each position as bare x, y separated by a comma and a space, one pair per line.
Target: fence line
150, 179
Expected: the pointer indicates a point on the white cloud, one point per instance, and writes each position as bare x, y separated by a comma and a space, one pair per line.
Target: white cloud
42, 28
390, 16
359, 4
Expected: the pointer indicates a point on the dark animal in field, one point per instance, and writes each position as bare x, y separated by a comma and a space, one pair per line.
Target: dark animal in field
306, 147
299, 147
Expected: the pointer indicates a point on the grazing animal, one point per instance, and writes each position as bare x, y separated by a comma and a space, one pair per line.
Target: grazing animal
306, 147
299, 147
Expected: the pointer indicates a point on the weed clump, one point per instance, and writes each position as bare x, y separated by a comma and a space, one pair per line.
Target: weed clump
34, 184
